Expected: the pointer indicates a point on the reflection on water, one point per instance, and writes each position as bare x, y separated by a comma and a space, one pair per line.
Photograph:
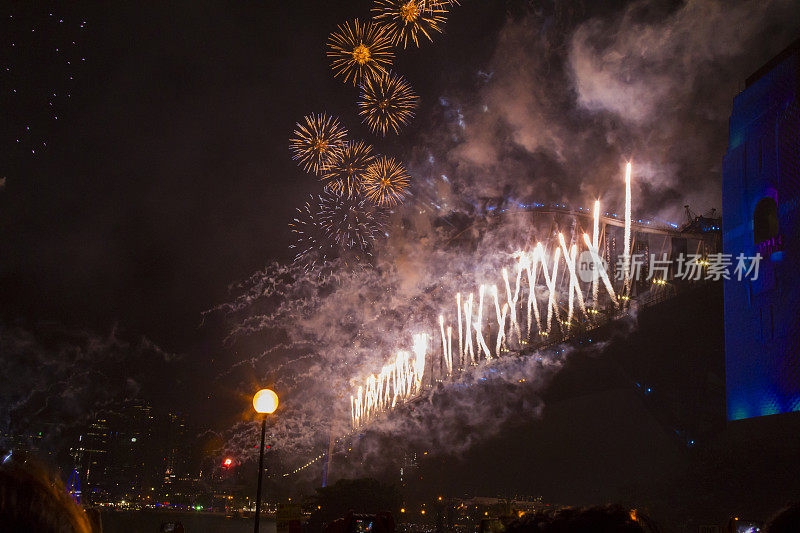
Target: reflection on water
150, 522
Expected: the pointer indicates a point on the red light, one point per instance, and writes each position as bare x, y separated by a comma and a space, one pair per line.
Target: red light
227, 462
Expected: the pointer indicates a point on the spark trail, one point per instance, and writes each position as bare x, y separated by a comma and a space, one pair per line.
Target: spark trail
627, 251
488, 336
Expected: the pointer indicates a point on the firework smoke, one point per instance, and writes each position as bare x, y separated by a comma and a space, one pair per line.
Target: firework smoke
559, 107
54, 378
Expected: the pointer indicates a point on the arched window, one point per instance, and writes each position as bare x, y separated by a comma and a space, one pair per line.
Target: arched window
765, 220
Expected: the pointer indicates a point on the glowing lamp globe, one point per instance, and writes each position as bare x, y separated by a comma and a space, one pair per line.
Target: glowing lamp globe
265, 401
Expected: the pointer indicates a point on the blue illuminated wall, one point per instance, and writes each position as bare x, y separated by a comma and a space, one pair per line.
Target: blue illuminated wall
760, 214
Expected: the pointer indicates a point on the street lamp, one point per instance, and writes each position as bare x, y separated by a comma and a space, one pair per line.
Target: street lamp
264, 402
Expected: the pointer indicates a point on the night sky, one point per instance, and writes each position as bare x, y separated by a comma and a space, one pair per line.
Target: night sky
168, 175
145, 163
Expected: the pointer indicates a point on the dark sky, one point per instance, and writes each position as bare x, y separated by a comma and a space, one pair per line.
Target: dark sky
168, 175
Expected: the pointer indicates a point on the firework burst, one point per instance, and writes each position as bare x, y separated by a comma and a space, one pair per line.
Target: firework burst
345, 172
315, 142
349, 221
387, 102
331, 226
359, 50
312, 245
386, 182
406, 20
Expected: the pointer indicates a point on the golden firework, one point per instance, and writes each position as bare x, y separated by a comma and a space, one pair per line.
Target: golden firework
406, 20
446, 3
358, 50
316, 141
385, 102
386, 182
345, 172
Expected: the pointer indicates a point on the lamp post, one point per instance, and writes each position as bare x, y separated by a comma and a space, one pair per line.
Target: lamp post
265, 402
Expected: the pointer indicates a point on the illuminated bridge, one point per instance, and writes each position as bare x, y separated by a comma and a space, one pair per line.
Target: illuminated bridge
542, 298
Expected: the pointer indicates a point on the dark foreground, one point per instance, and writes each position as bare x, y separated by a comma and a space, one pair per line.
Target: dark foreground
150, 522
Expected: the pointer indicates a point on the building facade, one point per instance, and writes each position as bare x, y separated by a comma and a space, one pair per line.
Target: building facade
761, 186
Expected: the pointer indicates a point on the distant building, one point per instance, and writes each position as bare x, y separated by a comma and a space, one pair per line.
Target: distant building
132, 455
90, 459
409, 468
761, 187
175, 445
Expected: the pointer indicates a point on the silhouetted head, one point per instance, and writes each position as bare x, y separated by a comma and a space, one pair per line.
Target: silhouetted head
32, 500
598, 519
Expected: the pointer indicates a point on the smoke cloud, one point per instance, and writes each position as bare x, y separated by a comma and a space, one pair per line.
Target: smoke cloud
326, 331
568, 96
55, 377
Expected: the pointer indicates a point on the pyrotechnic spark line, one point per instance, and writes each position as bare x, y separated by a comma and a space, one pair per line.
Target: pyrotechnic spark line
447, 345
406, 20
401, 381
479, 340
532, 275
396, 382
570, 258
345, 172
512, 301
349, 221
601, 271
627, 252
550, 281
316, 141
501, 323
386, 182
460, 334
386, 102
359, 50
595, 244
469, 350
